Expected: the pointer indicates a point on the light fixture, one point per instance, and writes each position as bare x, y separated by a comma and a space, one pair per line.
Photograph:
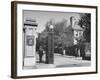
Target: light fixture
51, 27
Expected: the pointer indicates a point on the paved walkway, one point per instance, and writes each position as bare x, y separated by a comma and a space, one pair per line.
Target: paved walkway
64, 61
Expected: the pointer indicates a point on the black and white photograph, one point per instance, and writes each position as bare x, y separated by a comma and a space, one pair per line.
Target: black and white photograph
56, 39
53, 39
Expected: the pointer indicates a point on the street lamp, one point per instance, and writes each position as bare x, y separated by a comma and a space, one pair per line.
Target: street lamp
51, 27
50, 48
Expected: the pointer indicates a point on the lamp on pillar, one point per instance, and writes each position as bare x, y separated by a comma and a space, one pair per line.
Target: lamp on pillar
51, 27
50, 48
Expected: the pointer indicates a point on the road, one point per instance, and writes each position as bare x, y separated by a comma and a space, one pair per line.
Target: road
64, 61
69, 61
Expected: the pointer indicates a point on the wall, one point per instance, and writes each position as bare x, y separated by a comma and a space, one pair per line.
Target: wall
5, 40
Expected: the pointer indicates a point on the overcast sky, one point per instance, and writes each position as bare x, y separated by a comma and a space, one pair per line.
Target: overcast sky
43, 16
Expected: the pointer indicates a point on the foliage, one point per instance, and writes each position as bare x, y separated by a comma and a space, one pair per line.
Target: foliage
63, 35
86, 22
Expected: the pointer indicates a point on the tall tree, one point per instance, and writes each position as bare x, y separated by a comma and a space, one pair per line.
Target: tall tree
85, 22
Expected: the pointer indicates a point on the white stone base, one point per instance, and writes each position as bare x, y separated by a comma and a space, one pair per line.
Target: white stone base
29, 62
44, 66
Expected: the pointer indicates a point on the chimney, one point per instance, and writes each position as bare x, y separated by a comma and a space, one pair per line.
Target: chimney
72, 21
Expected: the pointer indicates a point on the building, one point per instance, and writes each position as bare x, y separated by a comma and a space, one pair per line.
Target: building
74, 34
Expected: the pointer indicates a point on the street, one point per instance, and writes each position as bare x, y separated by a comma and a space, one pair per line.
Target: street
64, 61
70, 61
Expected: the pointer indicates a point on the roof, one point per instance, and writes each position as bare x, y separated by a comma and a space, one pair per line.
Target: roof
30, 22
77, 27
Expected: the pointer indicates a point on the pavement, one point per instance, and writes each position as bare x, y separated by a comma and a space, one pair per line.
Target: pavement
63, 61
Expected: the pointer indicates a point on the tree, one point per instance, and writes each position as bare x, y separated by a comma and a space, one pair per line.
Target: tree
85, 22
63, 34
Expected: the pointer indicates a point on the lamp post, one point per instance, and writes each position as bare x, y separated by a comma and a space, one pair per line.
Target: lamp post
50, 46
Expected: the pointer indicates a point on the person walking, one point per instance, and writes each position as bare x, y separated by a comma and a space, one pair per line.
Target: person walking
41, 50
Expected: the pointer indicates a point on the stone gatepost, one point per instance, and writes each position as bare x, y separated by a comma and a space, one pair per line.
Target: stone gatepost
29, 44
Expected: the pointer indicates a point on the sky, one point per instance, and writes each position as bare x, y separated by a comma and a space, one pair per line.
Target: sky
42, 17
